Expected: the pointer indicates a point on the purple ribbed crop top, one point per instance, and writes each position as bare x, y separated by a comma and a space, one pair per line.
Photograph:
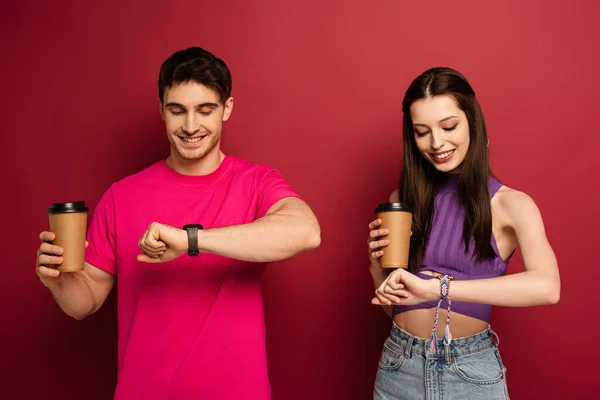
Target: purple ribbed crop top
445, 252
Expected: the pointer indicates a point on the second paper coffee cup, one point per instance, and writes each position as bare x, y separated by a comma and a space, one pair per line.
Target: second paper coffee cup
397, 217
68, 221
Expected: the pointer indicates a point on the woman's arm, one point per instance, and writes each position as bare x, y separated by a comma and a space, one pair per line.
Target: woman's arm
539, 284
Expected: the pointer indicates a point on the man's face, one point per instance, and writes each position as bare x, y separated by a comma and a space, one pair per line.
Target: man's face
193, 115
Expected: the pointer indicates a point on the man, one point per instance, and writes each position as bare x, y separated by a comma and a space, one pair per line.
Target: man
190, 312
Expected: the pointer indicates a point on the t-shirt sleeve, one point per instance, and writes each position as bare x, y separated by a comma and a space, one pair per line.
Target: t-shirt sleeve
272, 188
101, 235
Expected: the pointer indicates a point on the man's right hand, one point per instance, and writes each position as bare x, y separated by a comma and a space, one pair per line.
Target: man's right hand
79, 293
49, 257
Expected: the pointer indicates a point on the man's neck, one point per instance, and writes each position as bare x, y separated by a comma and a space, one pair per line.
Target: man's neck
204, 166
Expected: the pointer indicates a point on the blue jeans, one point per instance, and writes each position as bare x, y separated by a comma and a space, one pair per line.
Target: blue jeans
469, 369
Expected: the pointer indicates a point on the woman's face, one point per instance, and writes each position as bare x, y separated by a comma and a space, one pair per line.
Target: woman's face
441, 132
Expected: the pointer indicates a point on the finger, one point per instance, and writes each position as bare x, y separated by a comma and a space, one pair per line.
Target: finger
376, 254
396, 283
382, 300
147, 259
154, 246
146, 246
388, 291
376, 244
87, 244
150, 251
142, 239
45, 272
47, 248
158, 253
375, 224
50, 260
376, 301
394, 299
379, 233
391, 299
47, 236
152, 242
153, 255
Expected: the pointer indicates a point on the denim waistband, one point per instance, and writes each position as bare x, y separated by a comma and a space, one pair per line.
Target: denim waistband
458, 346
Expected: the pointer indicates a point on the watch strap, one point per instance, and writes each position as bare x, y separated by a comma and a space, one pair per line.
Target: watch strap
192, 233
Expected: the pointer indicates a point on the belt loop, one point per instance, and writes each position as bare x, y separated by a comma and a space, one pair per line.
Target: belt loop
408, 347
493, 332
447, 354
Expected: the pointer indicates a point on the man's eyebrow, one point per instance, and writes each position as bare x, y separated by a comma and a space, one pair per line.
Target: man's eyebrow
174, 105
199, 106
212, 105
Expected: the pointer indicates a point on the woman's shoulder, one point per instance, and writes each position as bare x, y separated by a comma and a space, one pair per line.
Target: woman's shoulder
510, 197
514, 205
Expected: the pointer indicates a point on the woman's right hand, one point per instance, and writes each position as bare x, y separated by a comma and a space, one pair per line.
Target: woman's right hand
376, 244
48, 258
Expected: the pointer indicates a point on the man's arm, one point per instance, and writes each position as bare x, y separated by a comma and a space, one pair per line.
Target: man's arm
78, 294
289, 227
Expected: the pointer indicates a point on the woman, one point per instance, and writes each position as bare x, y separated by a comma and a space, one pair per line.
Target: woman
466, 227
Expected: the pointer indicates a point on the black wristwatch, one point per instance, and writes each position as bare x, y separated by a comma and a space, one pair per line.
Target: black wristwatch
192, 232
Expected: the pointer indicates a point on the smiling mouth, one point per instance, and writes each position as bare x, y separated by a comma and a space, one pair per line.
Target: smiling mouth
443, 156
192, 139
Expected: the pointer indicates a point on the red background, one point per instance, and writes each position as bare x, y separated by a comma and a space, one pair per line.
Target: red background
318, 87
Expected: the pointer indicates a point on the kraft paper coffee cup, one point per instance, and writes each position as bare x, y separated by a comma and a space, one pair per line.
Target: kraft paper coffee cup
68, 221
397, 217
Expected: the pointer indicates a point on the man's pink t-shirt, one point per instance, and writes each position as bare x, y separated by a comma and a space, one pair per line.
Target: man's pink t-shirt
192, 328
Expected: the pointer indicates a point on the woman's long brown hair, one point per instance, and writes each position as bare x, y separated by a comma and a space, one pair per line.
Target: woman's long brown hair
419, 177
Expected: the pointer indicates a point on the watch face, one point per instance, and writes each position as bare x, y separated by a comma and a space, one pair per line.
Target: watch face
190, 226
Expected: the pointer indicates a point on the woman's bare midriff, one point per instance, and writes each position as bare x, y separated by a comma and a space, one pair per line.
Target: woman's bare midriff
419, 322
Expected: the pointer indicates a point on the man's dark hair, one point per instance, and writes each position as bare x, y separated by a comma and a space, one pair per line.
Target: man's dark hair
195, 65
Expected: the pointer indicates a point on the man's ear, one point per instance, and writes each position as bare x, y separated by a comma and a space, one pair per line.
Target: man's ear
160, 110
227, 108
